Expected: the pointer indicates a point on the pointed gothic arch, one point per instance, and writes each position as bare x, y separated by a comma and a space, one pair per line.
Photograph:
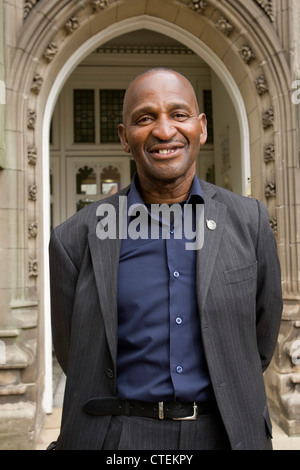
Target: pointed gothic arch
236, 39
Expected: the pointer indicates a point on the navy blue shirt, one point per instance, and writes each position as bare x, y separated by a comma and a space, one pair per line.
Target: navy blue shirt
160, 353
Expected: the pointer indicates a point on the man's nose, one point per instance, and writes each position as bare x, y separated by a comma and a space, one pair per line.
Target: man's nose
164, 128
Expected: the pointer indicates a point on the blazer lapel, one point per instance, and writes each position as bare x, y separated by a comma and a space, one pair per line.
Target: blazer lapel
214, 222
105, 259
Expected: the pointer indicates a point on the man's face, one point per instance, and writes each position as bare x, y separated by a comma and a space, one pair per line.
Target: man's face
162, 127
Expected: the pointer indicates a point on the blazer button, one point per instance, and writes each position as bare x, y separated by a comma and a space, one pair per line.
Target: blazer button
109, 373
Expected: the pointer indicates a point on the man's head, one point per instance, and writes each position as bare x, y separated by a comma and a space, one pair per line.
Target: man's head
162, 128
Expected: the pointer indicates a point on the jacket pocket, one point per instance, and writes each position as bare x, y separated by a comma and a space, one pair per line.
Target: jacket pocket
235, 276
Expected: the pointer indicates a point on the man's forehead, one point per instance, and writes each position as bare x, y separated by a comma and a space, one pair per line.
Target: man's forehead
147, 84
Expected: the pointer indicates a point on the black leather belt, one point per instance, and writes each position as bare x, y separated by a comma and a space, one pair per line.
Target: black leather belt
161, 410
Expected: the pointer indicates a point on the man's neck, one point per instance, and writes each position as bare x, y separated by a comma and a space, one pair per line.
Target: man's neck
165, 192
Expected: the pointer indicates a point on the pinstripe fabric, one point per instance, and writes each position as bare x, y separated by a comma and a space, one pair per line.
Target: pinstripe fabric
239, 300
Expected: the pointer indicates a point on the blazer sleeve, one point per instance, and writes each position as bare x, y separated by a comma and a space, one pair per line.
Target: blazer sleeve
63, 281
269, 295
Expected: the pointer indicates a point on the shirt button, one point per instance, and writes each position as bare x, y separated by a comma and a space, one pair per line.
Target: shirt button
179, 369
176, 274
178, 320
172, 230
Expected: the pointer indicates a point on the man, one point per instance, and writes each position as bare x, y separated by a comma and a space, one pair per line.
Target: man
164, 344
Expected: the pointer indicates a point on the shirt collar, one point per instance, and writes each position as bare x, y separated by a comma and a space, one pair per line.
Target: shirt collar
134, 197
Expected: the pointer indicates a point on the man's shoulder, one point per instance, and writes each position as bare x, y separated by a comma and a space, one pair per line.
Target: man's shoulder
224, 196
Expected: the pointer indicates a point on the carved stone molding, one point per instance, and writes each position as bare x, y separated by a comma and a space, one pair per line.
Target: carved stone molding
72, 25
267, 6
261, 85
32, 229
270, 190
224, 26
37, 83
32, 155
247, 53
32, 192
269, 153
31, 118
51, 52
28, 6
198, 6
98, 5
273, 224
268, 118
33, 268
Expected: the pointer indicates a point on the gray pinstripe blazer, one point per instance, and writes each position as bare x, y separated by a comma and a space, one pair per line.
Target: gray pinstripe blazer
239, 301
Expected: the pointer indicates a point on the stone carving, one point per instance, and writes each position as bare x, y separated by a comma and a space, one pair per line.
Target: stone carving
98, 5
36, 84
31, 118
267, 6
198, 6
224, 26
32, 155
32, 192
273, 224
182, 50
270, 190
32, 230
28, 6
268, 118
247, 53
261, 84
33, 268
50, 52
72, 25
269, 153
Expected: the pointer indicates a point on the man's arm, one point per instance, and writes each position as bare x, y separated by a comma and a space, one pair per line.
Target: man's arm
63, 280
269, 297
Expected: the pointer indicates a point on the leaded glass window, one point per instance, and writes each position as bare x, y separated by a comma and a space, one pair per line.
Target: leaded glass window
84, 116
111, 104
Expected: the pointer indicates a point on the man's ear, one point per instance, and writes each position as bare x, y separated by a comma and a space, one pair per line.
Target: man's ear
203, 128
123, 138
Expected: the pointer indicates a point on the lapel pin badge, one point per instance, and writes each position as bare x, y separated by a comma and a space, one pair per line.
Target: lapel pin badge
211, 224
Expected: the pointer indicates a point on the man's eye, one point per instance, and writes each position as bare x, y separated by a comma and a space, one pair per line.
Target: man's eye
144, 120
180, 116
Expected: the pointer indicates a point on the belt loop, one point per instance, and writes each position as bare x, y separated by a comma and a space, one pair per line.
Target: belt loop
127, 408
161, 410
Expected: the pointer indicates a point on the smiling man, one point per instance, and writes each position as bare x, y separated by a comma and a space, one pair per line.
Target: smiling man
164, 348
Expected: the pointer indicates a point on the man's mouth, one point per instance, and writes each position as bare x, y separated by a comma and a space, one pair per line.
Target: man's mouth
165, 150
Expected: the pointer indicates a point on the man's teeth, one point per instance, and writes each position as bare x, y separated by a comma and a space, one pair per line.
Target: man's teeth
164, 151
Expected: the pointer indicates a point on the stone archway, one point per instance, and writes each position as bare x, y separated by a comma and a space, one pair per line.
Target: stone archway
55, 37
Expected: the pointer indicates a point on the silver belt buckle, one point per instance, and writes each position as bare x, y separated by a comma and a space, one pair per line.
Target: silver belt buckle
194, 416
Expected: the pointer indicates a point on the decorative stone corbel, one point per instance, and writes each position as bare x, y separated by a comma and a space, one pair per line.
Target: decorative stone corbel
31, 118
72, 25
270, 190
269, 153
98, 5
261, 84
33, 268
198, 6
32, 155
32, 192
273, 224
224, 26
36, 84
247, 53
32, 230
268, 118
51, 52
